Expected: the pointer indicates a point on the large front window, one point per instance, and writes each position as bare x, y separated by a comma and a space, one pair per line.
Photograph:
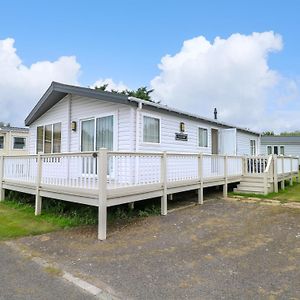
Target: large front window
97, 133
151, 130
49, 138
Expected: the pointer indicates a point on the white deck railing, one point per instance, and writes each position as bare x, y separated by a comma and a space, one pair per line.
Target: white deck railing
79, 170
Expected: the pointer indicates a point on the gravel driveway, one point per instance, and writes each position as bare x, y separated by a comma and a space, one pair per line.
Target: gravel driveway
221, 250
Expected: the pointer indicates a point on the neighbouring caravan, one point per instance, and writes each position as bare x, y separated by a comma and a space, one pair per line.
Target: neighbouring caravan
280, 145
13, 140
76, 119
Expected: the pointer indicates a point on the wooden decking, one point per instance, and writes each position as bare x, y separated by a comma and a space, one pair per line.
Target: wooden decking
106, 179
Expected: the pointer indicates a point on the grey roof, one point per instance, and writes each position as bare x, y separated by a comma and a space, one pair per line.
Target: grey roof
15, 129
280, 140
58, 91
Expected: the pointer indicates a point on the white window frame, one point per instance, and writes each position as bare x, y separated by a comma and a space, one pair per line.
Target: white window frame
52, 144
142, 129
283, 150
13, 143
115, 128
208, 140
271, 149
255, 147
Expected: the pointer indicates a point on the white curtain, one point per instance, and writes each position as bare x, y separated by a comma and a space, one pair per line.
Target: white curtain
151, 130
105, 133
203, 137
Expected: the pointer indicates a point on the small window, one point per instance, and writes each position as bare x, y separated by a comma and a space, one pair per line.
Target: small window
19, 143
151, 130
40, 139
282, 150
269, 150
276, 150
253, 147
203, 137
1, 142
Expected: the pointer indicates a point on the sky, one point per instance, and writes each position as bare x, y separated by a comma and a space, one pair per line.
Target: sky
239, 56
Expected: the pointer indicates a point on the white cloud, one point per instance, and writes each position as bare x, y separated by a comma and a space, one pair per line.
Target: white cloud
111, 85
233, 75
21, 86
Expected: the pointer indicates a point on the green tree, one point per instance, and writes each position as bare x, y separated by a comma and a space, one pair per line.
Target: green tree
141, 93
268, 133
292, 133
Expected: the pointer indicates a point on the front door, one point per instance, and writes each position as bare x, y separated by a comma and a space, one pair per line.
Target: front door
214, 141
95, 134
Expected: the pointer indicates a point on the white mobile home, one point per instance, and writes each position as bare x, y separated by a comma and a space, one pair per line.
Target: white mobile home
75, 119
105, 149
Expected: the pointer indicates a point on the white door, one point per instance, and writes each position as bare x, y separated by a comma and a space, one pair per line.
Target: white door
228, 141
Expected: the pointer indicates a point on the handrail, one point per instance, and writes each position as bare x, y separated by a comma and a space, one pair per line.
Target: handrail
267, 169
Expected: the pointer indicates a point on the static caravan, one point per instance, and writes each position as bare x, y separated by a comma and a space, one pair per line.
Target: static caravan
77, 119
280, 145
13, 140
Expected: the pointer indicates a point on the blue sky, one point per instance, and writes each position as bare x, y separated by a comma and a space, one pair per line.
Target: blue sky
126, 40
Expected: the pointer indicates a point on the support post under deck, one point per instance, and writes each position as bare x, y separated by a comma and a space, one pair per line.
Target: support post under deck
200, 175
2, 191
102, 192
38, 198
164, 198
225, 185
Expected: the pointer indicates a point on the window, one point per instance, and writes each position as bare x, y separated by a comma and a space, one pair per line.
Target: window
253, 147
97, 133
87, 135
282, 150
269, 150
19, 143
203, 137
1, 142
48, 138
151, 130
40, 139
276, 150
57, 138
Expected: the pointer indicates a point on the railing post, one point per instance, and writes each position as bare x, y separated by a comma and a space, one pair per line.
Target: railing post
200, 175
265, 183
2, 191
164, 181
102, 193
38, 198
282, 167
275, 175
291, 173
225, 186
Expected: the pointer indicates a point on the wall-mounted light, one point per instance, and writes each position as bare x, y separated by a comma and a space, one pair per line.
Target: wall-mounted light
182, 127
73, 126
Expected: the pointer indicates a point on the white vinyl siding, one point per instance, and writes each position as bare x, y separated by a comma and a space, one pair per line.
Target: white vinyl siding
243, 143
203, 137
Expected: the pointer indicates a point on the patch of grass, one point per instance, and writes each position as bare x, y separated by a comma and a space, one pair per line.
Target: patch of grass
53, 271
17, 216
289, 194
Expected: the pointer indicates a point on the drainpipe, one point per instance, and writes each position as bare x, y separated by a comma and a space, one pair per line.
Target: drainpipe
69, 123
137, 126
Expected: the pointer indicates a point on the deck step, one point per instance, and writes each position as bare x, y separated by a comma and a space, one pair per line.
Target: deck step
253, 184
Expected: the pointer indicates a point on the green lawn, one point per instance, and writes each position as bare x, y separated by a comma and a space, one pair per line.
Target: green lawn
289, 194
20, 222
